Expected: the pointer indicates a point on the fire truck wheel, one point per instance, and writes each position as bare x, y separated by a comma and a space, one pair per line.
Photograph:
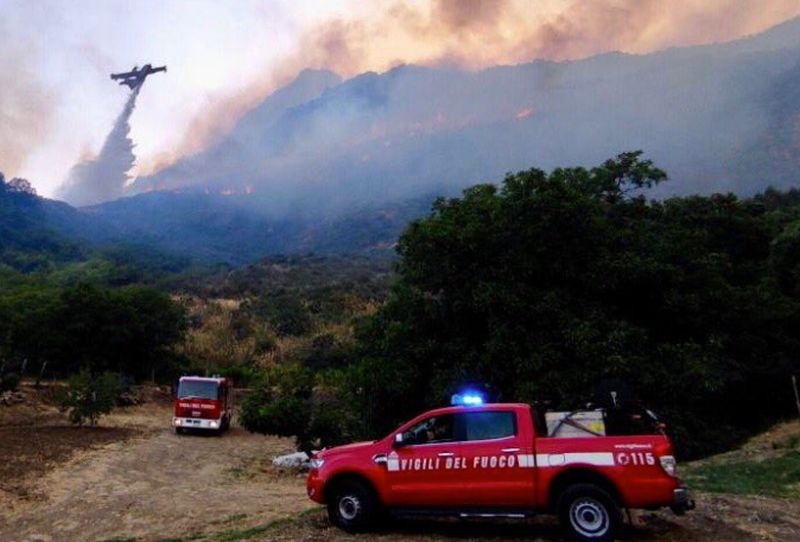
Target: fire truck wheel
179, 430
588, 514
352, 506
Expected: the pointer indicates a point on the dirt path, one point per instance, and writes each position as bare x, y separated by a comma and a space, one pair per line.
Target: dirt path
158, 485
717, 519
28, 453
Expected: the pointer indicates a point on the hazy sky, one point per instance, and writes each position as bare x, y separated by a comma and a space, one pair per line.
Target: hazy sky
57, 102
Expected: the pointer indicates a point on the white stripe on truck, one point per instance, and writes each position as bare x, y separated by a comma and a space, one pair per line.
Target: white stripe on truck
600, 459
525, 461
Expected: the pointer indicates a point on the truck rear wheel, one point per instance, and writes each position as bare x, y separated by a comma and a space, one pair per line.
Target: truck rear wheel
352, 506
587, 513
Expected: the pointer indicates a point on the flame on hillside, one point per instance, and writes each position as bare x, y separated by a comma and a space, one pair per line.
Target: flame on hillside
524, 113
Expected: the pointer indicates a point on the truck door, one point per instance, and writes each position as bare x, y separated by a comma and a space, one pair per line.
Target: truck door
498, 449
426, 470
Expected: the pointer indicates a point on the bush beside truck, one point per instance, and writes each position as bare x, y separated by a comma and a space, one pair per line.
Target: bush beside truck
293, 401
89, 396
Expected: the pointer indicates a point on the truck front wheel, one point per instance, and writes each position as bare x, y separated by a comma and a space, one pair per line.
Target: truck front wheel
587, 513
352, 506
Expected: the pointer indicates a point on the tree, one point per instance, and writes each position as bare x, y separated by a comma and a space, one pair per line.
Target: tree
130, 330
21, 186
785, 259
293, 402
90, 396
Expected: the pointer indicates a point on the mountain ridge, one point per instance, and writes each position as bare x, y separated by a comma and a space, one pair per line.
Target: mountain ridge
379, 137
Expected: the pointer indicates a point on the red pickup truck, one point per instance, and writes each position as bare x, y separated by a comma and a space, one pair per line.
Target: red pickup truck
496, 460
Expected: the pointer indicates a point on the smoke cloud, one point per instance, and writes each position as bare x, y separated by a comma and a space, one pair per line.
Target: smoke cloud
702, 113
104, 177
25, 106
474, 34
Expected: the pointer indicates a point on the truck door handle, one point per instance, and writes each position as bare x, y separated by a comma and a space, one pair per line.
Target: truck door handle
380, 459
509, 450
446, 454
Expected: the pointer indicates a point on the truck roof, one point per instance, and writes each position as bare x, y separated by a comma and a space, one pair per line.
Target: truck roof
217, 379
477, 408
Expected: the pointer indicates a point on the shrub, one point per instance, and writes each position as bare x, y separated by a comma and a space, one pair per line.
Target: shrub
284, 312
265, 342
294, 402
91, 396
327, 352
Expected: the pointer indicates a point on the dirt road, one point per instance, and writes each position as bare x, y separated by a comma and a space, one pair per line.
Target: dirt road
156, 485
717, 519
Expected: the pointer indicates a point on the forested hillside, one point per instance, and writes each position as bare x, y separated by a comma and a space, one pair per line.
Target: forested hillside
213, 228
26, 242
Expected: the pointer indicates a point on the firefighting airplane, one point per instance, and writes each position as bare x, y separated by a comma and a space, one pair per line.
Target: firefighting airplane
136, 76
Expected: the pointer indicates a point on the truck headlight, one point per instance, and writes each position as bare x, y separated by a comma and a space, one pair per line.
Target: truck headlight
316, 463
669, 465
177, 421
213, 424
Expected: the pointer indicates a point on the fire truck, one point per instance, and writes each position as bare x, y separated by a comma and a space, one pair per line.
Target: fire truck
203, 403
475, 460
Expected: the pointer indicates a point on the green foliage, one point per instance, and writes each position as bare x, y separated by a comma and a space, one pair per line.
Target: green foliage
265, 342
119, 266
284, 312
35, 238
330, 288
281, 404
785, 259
129, 330
327, 351
26, 243
90, 396
776, 477
293, 401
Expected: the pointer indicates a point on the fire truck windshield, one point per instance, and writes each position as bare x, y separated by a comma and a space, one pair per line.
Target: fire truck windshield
197, 389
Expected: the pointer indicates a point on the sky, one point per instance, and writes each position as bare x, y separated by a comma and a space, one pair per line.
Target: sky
57, 102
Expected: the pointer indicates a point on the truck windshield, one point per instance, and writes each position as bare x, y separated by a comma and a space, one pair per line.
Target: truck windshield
198, 389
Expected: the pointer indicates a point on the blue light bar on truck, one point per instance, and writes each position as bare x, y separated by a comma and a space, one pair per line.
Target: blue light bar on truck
466, 399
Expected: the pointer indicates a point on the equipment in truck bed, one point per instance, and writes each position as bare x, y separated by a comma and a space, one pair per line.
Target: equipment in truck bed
576, 423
